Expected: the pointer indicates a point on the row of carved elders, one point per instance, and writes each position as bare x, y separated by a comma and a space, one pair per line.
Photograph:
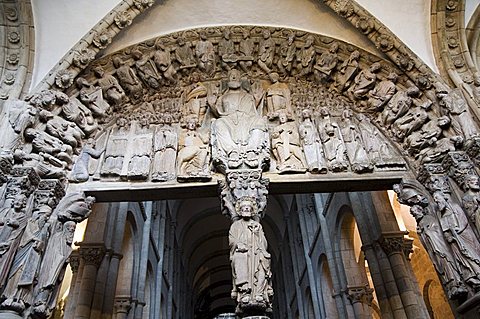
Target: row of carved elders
449, 232
35, 243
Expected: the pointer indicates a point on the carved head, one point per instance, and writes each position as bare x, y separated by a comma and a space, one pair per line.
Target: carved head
413, 91
19, 202
471, 182
309, 41
266, 34
246, 207
226, 33
137, 54
274, 77
291, 38
69, 231
355, 55
180, 41
392, 76
192, 122
307, 113
203, 35
81, 82
375, 67
282, 116
98, 70
333, 47
443, 121
121, 122
234, 79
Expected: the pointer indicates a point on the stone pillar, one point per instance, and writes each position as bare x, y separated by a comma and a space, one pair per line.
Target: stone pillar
92, 256
122, 306
393, 245
361, 298
71, 301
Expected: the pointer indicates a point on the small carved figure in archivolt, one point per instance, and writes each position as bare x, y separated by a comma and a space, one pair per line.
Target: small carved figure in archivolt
398, 105
184, 54
306, 57
146, 69
287, 55
347, 73
382, 93
92, 97
163, 61
266, 51
128, 79
205, 54
364, 82
112, 91
325, 64
245, 52
226, 51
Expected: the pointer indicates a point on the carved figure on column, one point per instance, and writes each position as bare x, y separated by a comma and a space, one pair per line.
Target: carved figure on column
364, 82
325, 64
53, 266
333, 145
287, 55
347, 73
460, 236
266, 52
239, 134
471, 200
18, 292
193, 153
250, 262
139, 165
80, 172
163, 61
12, 224
312, 146
278, 98
128, 80
286, 146
382, 93
306, 57
165, 151
352, 138
205, 54
112, 91
146, 69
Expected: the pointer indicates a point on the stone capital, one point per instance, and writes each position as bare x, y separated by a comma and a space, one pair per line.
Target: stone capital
392, 242
74, 261
92, 254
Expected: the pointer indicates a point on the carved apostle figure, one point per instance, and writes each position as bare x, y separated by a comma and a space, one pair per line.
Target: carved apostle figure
311, 144
250, 260
139, 165
266, 51
326, 63
286, 146
74, 111
12, 224
287, 55
471, 200
205, 54
239, 134
364, 82
80, 171
427, 135
382, 93
24, 271
116, 146
53, 266
347, 73
128, 78
460, 237
411, 121
278, 98
66, 131
112, 91
430, 230
165, 151
163, 61
193, 153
